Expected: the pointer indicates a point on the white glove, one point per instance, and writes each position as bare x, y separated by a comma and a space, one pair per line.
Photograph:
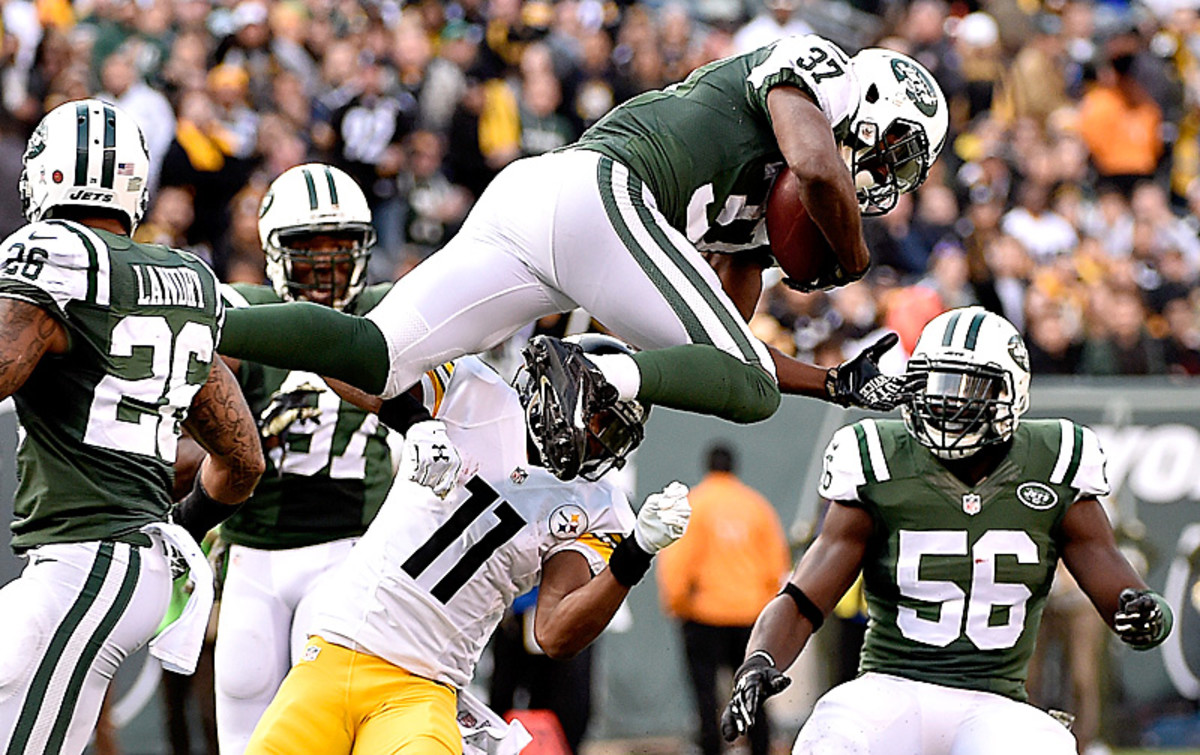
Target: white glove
663, 518
429, 458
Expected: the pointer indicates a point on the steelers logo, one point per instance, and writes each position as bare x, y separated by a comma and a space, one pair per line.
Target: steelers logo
568, 522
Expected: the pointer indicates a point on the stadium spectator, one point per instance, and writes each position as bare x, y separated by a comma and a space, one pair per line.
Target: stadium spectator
123, 86
716, 579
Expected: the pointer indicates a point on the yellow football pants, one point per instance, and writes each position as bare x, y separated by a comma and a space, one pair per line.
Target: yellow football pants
336, 701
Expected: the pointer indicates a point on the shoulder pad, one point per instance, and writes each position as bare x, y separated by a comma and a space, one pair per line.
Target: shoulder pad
817, 66
841, 467
65, 261
1080, 462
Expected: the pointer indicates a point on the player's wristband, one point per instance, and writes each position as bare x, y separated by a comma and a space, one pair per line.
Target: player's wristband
402, 412
628, 562
804, 605
198, 512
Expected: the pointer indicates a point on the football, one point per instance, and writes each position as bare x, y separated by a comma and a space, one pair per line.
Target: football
796, 241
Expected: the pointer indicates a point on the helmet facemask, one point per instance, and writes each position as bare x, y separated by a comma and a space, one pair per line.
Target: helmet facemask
329, 276
887, 165
956, 408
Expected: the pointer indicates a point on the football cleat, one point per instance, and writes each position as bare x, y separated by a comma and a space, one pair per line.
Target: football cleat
565, 391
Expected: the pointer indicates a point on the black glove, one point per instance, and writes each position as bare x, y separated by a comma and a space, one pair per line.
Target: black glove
287, 408
1140, 621
756, 680
858, 381
831, 275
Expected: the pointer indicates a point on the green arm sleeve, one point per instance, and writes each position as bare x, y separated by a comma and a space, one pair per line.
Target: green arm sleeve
307, 336
706, 380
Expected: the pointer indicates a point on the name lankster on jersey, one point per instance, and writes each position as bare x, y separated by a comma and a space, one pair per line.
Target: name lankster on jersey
168, 286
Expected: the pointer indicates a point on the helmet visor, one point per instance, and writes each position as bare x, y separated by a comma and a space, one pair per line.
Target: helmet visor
892, 165
958, 406
612, 434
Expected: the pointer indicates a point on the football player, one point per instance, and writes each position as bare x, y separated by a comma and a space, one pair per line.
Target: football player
402, 622
957, 517
615, 223
106, 347
329, 462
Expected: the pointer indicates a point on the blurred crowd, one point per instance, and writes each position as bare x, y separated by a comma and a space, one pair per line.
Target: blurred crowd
1065, 198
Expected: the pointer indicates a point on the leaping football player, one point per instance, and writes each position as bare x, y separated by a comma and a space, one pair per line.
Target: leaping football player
616, 224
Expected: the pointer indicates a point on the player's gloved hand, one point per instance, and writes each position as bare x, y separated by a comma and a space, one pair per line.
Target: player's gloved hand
831, 275
858, 381
1140, 621
429, 458
756, 680
289, 407
663, 518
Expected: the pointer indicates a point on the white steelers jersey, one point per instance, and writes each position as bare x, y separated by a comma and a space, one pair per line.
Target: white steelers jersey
427, 584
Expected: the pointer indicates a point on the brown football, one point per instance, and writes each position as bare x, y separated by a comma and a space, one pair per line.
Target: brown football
796, 241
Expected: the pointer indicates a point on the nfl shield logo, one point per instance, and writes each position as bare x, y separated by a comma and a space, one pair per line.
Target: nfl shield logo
972, 503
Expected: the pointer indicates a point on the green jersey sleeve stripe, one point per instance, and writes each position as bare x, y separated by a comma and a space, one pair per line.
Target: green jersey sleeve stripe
875, 446
111, 617
948, 336
93, 272
58, 643
694, 329
1066, 449
865, 454
1076, 451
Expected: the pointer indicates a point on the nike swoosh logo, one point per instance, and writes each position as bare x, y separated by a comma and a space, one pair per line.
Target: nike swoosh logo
35, 237
43, 560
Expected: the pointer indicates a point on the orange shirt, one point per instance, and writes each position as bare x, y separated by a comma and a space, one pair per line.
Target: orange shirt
1123, 136
731, 561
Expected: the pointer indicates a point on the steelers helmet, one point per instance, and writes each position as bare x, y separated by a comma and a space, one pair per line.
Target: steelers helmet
609, 435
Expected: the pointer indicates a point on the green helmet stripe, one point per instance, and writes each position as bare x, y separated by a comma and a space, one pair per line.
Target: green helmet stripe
949, 334
312, 189
108, 167
333, 197
973, 331
81, 144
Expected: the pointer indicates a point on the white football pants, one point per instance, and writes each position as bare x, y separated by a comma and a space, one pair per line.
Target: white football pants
877, 714
263, 626
551, 233
76, 612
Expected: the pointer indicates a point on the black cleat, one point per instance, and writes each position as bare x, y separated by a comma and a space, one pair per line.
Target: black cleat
567, 390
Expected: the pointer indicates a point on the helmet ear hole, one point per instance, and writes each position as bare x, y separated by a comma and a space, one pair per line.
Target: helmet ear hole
872, 95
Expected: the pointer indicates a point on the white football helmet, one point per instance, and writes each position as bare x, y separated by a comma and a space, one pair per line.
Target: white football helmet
969, 382
85, 153
899, 129
305, 201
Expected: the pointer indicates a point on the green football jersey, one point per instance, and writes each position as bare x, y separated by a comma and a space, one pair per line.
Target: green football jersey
331, 473
705, 146
955, 576
100, 423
